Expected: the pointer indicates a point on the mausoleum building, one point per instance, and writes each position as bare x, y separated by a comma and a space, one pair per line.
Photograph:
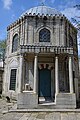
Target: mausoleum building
41, 64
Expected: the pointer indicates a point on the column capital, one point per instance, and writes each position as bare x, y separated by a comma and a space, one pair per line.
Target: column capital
56, 57
70, 55
36, 56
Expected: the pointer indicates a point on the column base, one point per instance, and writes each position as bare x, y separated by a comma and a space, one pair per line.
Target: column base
65, 100
27, 100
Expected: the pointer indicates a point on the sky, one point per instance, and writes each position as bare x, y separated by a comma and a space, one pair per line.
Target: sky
11, 10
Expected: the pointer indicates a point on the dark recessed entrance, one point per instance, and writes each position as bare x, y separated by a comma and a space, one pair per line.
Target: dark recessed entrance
45, 83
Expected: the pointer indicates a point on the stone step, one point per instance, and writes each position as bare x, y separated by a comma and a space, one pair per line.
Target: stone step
45, 110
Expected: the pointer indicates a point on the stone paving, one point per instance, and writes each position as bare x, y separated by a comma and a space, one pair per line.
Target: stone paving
55, 115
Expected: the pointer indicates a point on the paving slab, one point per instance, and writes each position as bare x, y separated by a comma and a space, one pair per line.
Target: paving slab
7, 113
41, 116
64, 116
56, 116
49, 116
72, 116
78, 116
25, 116
32, 117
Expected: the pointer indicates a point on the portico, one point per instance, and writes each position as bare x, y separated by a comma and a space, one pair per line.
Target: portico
49, 76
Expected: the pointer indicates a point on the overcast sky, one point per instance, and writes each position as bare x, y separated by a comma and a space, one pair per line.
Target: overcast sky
11, 10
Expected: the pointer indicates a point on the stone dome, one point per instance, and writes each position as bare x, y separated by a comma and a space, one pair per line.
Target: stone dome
42, 10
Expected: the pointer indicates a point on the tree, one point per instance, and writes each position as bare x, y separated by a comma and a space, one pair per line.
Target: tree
76, 22
2, 48
3, 44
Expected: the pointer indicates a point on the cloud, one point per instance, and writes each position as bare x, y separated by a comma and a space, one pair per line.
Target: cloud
13, 17
66, 4
52, 1
71, 12
42, 1
7, 4
23, 8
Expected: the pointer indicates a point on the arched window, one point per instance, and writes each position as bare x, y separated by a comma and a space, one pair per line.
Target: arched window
70, 41
44, 35
15, 43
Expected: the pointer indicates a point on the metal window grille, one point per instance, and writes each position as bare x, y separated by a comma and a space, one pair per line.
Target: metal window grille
44, 35
13, 79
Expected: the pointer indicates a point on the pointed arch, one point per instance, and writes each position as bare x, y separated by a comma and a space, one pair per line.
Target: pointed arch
15, 43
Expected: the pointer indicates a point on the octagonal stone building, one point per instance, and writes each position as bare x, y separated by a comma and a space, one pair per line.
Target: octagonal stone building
41, 65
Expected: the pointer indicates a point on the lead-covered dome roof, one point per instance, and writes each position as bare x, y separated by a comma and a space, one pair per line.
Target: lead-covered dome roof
42, 10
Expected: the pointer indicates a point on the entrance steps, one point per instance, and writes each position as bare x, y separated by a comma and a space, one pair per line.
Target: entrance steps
45, 110
48, 105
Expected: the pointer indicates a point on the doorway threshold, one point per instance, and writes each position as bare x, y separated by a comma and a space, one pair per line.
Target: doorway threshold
46, 101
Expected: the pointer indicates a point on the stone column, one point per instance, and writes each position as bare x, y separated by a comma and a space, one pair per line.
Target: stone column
56, 75
70, 75
23, 73
35, 73
20, 73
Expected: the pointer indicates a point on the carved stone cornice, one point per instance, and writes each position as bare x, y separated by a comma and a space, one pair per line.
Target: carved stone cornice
45, 49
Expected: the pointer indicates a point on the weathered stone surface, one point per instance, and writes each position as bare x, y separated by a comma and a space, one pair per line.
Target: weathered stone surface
25, 116
64, 116
27, 100
72, 116
65, 100
41, 116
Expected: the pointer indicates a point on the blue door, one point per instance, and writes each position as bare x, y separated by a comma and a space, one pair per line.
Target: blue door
45, 83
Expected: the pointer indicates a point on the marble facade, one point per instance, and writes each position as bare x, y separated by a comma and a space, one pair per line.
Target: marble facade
59, 56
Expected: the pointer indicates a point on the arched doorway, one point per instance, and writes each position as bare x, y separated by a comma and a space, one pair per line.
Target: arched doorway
44, 83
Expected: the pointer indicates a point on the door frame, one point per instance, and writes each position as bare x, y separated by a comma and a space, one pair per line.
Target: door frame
48, 85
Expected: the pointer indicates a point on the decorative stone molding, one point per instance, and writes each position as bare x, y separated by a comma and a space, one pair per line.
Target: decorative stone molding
46, 49
43, 66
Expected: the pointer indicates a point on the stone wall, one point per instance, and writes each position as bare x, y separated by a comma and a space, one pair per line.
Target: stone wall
1, 80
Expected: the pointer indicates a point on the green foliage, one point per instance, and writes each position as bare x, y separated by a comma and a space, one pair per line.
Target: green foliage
2, 48
3, 44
